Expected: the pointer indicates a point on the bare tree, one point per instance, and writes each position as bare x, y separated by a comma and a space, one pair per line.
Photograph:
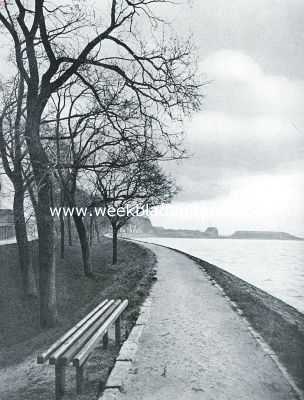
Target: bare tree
125, 192
51, 44
80, 137
13, 152
84, 139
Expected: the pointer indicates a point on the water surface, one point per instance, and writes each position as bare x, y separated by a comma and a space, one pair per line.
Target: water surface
276, 266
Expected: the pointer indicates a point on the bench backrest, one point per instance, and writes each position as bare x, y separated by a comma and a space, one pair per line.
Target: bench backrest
81, 356
71, 343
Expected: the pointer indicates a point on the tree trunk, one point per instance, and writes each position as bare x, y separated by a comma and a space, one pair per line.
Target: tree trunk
91, 230
24, 250
69, 230
47, 256
114, 242
85, 248
61, 236
61, 221
97, 230
45, 222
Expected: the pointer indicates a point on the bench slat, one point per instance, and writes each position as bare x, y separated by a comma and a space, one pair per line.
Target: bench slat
86, 350
66, 357
69, 342
41, 358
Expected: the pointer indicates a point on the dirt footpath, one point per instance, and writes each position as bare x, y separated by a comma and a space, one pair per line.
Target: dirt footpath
195, 346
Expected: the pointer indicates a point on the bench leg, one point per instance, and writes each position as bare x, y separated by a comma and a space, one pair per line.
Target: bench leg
117, 332
105, 340
59, 381
79, 379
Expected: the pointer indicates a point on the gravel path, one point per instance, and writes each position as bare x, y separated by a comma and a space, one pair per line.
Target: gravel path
195, 346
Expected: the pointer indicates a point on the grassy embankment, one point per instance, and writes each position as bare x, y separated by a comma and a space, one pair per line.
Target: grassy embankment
21, 337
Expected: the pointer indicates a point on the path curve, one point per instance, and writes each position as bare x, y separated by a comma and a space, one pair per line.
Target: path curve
195, 346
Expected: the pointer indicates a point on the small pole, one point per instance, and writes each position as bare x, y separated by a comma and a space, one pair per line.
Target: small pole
105, 340
79, 379
59, 381
118, 331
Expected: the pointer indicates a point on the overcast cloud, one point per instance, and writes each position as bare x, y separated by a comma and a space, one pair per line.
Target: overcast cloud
248, 141
249, 136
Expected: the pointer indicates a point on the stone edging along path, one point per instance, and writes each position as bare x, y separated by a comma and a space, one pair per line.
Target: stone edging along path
123, 366
126, 356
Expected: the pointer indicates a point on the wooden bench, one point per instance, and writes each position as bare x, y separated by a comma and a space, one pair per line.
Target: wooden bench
76, 345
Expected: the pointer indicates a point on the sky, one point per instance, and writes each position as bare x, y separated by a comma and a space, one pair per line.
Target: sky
246, 169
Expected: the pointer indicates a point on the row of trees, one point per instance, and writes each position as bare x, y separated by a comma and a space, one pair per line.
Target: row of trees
94, 102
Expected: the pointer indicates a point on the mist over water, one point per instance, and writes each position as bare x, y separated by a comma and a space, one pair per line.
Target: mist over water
275, 266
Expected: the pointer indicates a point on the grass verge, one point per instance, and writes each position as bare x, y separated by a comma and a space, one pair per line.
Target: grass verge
21, 338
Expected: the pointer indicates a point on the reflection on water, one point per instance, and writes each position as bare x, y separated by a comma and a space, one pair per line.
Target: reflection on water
276, 266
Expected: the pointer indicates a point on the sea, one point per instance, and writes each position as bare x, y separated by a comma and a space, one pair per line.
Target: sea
275, 266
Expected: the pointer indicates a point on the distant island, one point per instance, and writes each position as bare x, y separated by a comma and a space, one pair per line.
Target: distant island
263, 235
142, 226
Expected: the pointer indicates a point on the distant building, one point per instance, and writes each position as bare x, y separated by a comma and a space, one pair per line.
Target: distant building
211, 232
6, 193
7, 228
6, 216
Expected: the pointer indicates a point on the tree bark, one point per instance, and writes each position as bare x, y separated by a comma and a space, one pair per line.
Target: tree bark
24, 250
114, 242
47, 257
91, 230
97, 230
69, 231
61, 221
45, 222
85, 248
61, 236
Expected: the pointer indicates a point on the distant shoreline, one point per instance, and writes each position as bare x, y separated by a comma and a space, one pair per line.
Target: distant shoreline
142, 226
183, 236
